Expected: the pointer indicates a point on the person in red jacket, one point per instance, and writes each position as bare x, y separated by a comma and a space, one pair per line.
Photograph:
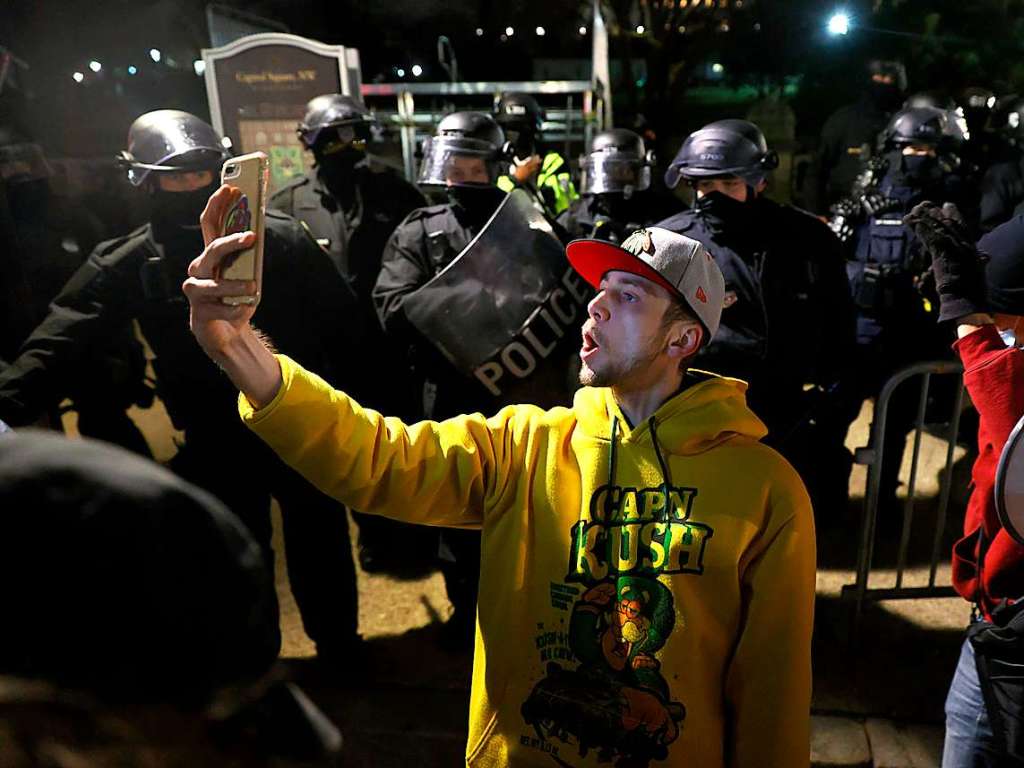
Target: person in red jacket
985, 303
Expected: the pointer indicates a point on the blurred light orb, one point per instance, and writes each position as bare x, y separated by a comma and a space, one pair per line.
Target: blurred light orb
839, 24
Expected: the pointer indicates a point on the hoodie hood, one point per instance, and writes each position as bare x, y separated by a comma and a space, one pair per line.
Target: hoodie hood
708, 412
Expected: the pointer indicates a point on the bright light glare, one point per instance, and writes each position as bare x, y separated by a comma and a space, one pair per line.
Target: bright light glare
95, 66
78, 77
132, 69
401, 72
154, 54
640, 29
417, 70
583, 30
510, 31
839, 24
540, 31
717, 68
479, 32
199, 66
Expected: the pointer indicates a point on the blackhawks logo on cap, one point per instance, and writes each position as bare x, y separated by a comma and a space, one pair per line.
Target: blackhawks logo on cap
639, 243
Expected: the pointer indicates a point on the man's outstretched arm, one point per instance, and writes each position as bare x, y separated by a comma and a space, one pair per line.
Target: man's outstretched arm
222, 330
446, 473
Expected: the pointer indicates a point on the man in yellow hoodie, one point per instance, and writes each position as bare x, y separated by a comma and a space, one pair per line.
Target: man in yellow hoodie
647, 580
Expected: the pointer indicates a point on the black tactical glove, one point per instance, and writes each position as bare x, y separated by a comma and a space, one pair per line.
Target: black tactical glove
874, 203
956, 265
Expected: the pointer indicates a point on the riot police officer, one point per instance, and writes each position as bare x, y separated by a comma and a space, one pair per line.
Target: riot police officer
788, 320
545, 177
306, 307
849, 133
895, 326
465, 157
1002, 188
615, 189
351, 204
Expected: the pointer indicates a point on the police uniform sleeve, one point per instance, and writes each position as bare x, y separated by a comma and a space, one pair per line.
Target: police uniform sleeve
996, 203
93, 304
331, 314
839, 313
403, 269
825, 160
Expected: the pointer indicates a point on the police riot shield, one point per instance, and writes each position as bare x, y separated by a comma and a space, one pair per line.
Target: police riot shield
507, 311
1010, 484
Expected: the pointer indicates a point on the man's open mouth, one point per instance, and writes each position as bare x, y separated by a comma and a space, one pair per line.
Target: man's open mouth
590, 345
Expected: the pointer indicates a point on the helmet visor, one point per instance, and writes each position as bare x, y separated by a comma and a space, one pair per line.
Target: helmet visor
602, 173
459, 162
194, 160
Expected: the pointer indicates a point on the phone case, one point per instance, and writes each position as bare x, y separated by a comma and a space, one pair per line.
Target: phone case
249, 173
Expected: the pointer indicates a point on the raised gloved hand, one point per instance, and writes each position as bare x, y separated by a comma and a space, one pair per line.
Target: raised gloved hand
874, 202
957, 267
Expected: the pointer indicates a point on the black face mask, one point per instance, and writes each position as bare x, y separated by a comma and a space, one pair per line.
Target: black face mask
885, 98
175, 215
919, 169
723, 207
476, 204
337, 168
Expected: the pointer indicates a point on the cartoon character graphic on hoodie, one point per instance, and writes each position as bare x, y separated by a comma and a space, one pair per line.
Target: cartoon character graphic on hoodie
616, 700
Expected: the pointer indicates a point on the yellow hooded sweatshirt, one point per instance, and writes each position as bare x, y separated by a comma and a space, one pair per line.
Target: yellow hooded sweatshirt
646, 592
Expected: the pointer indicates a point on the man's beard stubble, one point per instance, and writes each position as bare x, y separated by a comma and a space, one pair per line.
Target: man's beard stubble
623, 369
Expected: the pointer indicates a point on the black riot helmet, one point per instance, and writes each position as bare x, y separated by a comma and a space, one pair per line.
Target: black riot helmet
171, 141
333, 110
1008, 118
940, 129
723, 148
618, 162
978, 98
888, 72
933, 99
521, 118
467, 150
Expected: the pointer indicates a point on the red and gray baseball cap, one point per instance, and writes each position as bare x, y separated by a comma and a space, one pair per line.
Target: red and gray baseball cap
679, 264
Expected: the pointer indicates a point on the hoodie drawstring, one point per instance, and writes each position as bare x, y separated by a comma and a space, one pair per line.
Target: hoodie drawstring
665, 479
611, 453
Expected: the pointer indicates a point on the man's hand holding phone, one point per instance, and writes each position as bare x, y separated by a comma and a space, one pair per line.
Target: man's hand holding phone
223, 330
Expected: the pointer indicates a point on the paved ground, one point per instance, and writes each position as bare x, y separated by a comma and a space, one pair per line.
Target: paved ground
878, 702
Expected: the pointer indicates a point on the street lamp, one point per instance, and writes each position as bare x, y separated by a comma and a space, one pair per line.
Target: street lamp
95, 66
839, 24
78, 77
154, 54
417, 70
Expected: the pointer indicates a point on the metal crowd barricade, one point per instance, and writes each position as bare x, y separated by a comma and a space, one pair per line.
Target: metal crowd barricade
572, 123
873, 456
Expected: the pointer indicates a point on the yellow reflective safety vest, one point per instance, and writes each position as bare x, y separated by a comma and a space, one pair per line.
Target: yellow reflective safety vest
554, 183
